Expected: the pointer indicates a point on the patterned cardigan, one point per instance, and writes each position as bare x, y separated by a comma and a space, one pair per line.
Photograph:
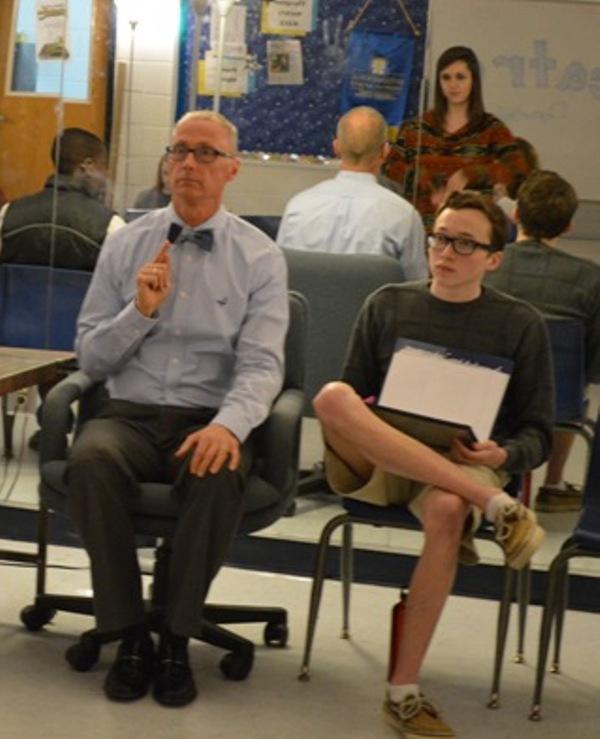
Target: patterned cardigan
486, 152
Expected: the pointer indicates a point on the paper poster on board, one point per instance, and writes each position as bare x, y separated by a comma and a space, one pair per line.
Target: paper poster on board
378, 70
284, 62
288, 17
234, 75
235, 30
51, 30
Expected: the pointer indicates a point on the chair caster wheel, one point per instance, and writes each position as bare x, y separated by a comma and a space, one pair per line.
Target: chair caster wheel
83, 655
36, 617
276, 634
237, 665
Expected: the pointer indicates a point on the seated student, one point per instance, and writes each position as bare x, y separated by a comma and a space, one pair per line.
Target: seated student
189, 338
159, 195
352, 213
369, 459
67, 233
558, 284
506, 195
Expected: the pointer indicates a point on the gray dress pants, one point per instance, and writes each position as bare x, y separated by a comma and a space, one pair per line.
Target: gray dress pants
126, 444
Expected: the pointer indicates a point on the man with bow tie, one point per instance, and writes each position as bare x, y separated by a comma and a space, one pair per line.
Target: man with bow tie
185, 321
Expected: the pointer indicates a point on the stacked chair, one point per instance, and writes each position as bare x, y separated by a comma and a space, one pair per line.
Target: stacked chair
584, 542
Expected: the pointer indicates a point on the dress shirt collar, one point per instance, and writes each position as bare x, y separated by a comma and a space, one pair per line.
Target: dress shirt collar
346, 174
215, 222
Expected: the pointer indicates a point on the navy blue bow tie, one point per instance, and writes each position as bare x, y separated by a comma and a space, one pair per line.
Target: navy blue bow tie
203, 238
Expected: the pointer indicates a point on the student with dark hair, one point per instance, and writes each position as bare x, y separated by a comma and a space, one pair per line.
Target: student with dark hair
454, 145
372, 461
65, 224
558, 284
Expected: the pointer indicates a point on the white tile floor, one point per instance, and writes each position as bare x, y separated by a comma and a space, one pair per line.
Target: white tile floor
42, 698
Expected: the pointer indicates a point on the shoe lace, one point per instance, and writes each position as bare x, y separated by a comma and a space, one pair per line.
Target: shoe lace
513, 512
413, 704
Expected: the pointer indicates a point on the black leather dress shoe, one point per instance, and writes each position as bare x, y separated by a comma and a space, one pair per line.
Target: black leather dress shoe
174, 682
131, 673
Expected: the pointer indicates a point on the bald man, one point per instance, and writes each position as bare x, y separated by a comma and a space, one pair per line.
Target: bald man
352, 213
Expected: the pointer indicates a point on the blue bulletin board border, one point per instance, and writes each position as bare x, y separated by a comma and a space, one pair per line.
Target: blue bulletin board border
291, 118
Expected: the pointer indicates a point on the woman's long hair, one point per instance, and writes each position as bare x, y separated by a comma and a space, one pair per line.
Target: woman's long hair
440, 104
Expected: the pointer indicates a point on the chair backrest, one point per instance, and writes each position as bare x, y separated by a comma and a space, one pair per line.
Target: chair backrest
295, 342
336, 286
567, 341
267, 224
39, 305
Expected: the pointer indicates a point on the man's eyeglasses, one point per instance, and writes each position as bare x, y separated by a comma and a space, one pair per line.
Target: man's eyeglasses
202, 154
460, 244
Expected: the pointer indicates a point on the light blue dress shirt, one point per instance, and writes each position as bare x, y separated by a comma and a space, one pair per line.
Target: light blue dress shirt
352, 214
217, 340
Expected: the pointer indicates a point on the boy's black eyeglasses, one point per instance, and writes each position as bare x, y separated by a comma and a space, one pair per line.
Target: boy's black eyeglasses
460, 244
202, 154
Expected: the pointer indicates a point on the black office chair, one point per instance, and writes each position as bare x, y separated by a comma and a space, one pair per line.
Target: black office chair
271, 486
584, 542
38, 310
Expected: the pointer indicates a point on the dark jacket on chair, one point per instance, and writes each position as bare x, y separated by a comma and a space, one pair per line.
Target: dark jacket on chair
80, 224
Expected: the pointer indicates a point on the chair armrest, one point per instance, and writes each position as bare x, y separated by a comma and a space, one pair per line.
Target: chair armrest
280, 439
56, 418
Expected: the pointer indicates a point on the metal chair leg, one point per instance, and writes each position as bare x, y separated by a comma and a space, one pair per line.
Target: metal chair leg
523, 595
562, 599
347, 575
317, 590
556, 571
501, 632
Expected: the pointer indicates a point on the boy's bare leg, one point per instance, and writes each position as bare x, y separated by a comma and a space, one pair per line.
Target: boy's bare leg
443, 517
364, 441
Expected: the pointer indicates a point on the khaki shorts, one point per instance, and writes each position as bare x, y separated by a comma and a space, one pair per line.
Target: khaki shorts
385, 489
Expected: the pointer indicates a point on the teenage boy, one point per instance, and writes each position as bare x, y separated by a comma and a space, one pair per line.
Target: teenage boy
371, 460
558, 284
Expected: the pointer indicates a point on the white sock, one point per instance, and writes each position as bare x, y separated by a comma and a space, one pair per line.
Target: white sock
397, 693
498, 502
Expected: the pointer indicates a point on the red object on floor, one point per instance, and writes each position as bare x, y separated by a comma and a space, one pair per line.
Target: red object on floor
398, 614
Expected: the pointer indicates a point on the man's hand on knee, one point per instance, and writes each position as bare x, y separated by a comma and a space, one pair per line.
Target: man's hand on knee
211, 448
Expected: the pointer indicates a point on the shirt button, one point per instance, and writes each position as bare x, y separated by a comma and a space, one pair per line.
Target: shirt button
175, 360
177, 332
189, 259
183, 294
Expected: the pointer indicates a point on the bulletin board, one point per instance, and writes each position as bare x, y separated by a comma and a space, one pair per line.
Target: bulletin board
301, 119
